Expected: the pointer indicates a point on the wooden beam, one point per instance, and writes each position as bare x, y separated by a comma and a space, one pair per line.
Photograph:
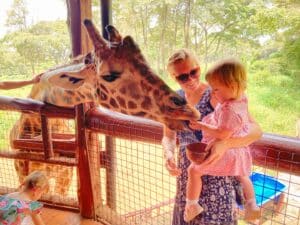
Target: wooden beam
85, 190
86, 13
77, 12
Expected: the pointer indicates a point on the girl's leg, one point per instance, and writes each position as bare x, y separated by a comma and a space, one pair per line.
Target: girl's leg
193, 190
252, 212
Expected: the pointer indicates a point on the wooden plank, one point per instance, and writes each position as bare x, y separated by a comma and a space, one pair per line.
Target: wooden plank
64, 144
26, 105
46, 138
58, 217
66, 161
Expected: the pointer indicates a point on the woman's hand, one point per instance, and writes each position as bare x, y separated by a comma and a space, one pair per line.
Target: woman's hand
217, 149
172, 167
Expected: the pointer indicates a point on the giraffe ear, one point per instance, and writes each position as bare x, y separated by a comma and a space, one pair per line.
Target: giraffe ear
129, 43
88, 59
68, 80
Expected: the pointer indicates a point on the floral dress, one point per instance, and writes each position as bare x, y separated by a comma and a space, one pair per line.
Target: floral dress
218, 193
13, 211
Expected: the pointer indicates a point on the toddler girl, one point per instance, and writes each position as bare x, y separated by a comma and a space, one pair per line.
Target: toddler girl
14, 207
230, 119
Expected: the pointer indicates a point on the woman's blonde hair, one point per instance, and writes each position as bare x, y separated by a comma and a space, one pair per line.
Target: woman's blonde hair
180, 56
229, 72
36, 179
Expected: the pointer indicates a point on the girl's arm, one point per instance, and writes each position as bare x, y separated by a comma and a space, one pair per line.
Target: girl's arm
211, 130
7, 85
37, 219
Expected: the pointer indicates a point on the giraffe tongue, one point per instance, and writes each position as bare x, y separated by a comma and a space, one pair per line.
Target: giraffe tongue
184, 115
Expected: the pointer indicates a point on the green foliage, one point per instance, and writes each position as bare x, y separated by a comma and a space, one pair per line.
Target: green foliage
265, 35
16, 16
44, 42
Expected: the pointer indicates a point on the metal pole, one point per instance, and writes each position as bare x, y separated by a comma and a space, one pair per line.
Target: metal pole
106, 15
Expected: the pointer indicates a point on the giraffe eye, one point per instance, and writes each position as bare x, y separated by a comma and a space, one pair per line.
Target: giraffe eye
178, 101
112, 76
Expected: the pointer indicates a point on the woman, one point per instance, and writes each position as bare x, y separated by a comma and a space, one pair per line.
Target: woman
218, 193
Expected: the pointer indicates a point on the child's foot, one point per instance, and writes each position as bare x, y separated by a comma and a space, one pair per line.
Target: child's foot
252, 213
191, 211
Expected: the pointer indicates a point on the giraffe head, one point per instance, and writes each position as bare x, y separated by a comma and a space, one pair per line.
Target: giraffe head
117, 76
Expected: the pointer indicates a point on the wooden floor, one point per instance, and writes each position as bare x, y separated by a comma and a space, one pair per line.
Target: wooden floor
59, 217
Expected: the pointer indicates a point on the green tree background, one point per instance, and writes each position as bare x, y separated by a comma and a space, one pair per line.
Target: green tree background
265, 35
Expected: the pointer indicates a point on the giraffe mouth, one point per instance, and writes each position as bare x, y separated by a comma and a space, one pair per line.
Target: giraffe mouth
175, 124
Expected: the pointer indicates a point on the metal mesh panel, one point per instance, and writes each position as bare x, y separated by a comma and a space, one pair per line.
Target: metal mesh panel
144, 192
62, 179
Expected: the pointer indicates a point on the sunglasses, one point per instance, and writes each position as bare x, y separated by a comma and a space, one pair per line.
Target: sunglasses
184, 77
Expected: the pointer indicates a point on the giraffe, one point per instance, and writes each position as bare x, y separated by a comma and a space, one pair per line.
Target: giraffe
122, 81
115, 76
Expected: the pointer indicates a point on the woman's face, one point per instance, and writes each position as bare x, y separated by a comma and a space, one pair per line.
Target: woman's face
187, 74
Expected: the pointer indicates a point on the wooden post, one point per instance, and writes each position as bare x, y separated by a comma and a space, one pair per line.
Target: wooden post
77, 12
74, 21
111, 171
85, 191
46, 137
85, 13
110, 149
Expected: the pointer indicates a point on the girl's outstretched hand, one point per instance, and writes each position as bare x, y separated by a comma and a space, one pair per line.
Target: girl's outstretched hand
217, 149
195, 125
172, 167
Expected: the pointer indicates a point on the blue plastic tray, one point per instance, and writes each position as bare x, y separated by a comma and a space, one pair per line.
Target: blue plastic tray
266, 188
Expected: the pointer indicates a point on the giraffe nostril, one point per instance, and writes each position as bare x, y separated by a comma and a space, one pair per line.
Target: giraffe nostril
178, 101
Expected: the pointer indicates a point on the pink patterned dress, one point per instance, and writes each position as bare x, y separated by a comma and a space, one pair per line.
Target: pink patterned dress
231, 115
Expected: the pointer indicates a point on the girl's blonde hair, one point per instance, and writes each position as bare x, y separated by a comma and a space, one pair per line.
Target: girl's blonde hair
36, 179
229, 72
180, 56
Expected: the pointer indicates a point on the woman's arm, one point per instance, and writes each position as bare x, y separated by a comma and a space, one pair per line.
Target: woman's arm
255, 133
218, 147
168, 142
169, 145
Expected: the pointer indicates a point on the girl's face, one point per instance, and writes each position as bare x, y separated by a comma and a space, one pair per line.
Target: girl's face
221, 92
39, 191
187, 74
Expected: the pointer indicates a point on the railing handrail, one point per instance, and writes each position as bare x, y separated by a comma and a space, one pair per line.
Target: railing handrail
283, 150
27, 105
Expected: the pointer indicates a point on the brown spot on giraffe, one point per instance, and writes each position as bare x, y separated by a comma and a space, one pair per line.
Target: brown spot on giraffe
146, 103
132, 105
121, 101
113, 103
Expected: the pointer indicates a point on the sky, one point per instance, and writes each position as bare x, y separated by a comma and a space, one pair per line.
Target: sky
38, 10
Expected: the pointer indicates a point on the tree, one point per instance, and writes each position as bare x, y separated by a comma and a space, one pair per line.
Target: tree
16, 16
